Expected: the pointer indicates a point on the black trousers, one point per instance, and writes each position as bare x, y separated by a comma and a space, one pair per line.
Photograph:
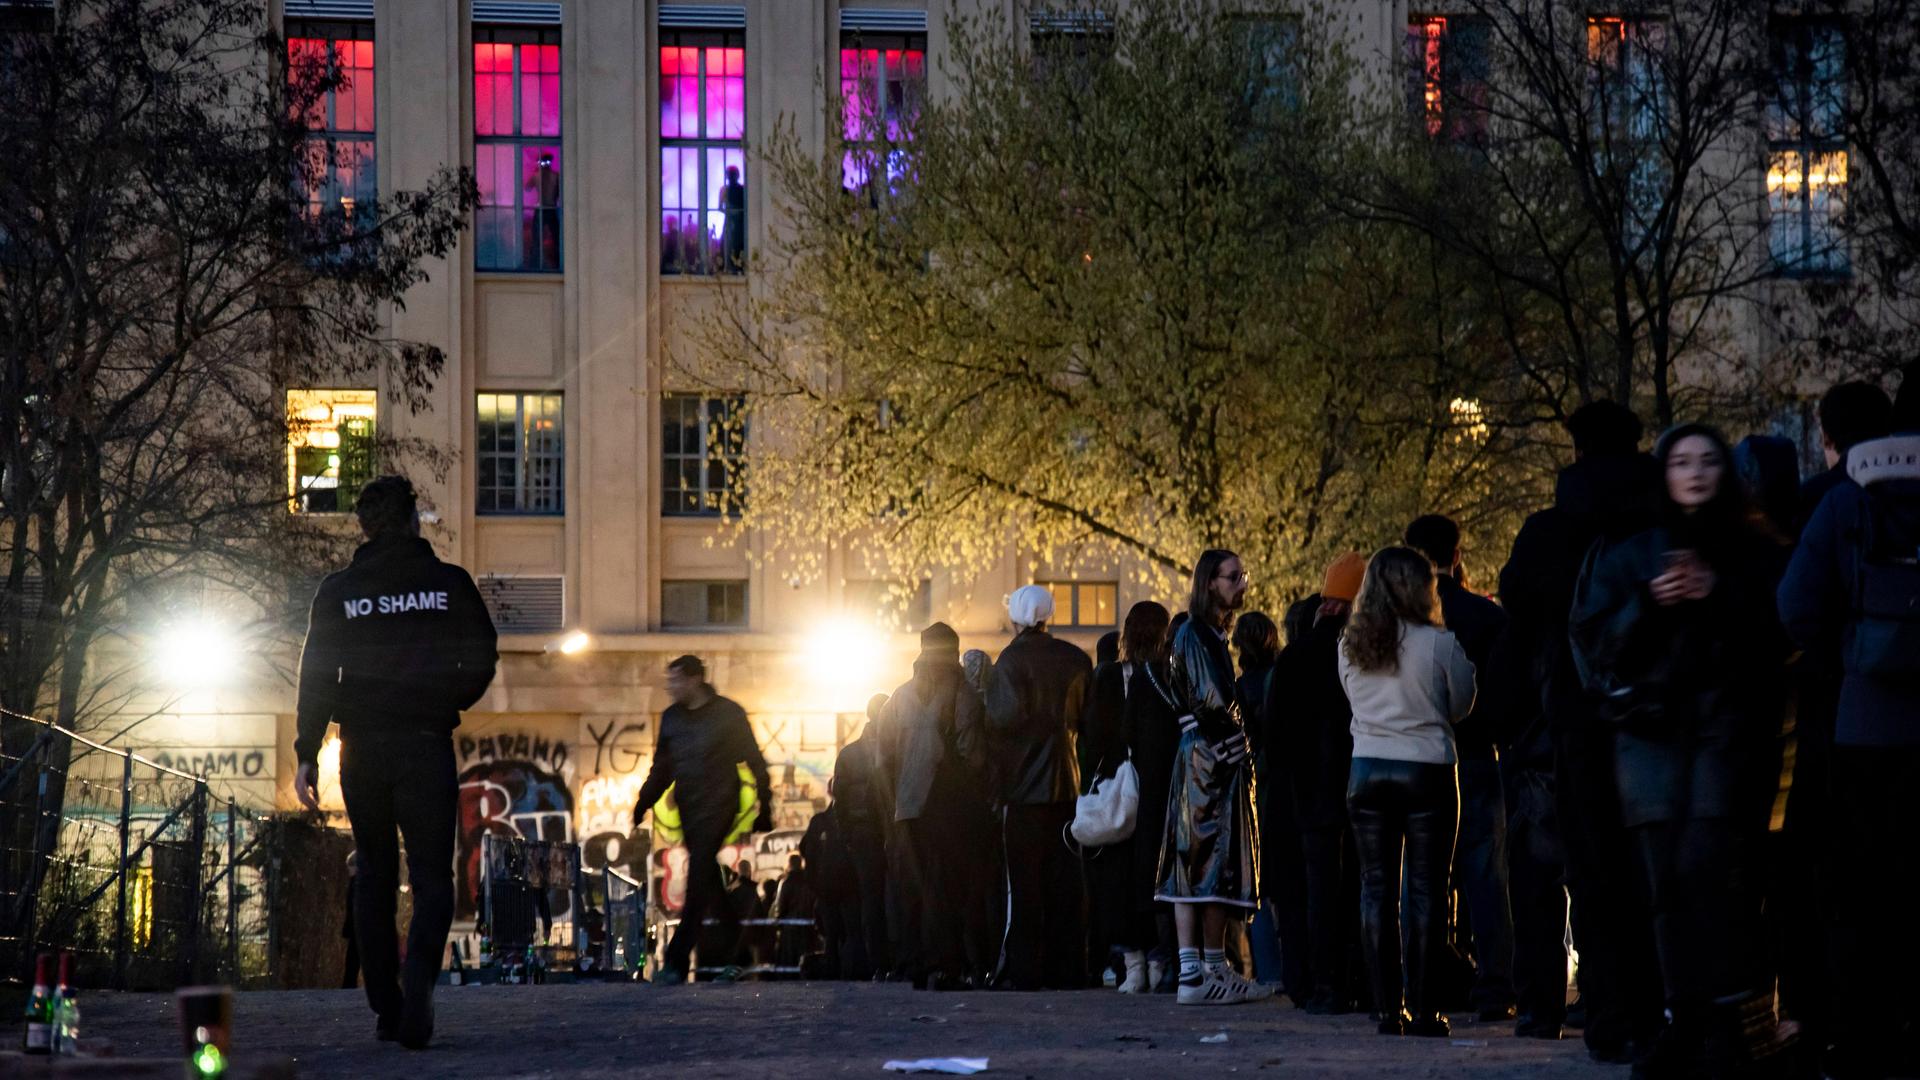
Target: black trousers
904, 934
869, 850
1283, 880
706, 897
1877, 876
1333, 911
1410, 809
1619, 972
404, 783
1537, 886
1480, 871
1695, 892
950, 901
1045, 943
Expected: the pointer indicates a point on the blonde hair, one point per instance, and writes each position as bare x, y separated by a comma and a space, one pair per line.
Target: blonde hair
1400, 586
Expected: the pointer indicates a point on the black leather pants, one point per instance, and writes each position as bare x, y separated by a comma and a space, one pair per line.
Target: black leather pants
1413, 808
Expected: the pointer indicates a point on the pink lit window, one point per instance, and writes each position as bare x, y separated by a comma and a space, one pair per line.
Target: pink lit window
330, 88
703, 167
883, 80
516, 147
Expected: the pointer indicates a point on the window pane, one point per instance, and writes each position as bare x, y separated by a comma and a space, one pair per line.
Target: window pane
1786, 205
330, 448
1826, 204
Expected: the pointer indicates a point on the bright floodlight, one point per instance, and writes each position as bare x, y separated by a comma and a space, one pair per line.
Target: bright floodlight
196, 653
573, 643
844, 661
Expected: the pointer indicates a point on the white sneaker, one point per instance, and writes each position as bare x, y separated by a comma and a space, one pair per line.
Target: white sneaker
1247, 988
1136, 982
1212, 990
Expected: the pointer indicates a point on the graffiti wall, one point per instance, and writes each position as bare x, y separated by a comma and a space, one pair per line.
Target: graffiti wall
512, 783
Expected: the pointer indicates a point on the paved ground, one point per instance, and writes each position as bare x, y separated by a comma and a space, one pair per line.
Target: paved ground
798, 1030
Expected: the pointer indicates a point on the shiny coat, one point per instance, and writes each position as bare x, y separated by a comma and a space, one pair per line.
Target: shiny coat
1209, 851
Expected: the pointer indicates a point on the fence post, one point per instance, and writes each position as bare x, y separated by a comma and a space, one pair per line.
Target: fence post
233, 902
121, 954
197, 838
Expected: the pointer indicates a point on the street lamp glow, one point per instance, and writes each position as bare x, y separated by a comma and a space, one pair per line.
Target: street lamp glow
197, 653
573, 644
845, 660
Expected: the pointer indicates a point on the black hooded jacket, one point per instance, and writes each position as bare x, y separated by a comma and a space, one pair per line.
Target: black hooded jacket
699, 753
1033, 706
396, 642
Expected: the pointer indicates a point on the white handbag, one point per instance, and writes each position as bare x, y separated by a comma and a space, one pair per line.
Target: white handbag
1106, 813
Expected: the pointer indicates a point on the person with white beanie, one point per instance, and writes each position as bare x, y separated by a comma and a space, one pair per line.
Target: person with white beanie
1033, 703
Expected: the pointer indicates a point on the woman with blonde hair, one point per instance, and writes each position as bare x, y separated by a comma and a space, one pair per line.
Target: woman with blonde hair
1409, 682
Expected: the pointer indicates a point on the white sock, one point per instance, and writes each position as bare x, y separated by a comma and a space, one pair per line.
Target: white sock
1216, 960
1190, 966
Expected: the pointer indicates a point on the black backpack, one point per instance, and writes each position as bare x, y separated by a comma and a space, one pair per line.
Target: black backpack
1884, 642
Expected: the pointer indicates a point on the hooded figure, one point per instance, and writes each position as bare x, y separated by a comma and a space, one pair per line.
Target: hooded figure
1034, 700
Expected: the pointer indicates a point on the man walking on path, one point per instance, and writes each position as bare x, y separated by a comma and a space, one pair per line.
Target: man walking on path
398, 643
703, 739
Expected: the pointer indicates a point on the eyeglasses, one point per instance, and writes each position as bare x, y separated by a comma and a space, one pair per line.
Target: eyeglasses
1238, 576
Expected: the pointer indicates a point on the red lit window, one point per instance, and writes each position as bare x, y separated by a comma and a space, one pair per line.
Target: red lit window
516, 147
703, 161
330, 87
1447, 72
883, 80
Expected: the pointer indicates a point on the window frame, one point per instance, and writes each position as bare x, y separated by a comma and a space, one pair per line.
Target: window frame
703, 146
709, 584
1073, 587
369, 446
1441, 80
364, 164
524, 458
543, 215
872, 143
1792, 39
727, 459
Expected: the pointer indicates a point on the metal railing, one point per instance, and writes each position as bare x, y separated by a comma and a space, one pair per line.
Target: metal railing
133, 866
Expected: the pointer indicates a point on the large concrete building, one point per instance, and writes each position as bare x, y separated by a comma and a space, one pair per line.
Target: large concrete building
619, 204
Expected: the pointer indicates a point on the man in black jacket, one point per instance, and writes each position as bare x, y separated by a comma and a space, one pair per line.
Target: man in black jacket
1561, 792
398, 643
1033, 705
1480, 856
857, 800
703, 739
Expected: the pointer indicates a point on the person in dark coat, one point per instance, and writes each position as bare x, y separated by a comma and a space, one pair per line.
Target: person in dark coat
1152, 725
828, 867
1209, 851
1480, 854
864, 810
794, 899
1850, 413
1676, 642
1850, 556
1102, 748
933, 722
1283, 860
703, 739
1034, 699
1257, 641
1607, 493
1309, 722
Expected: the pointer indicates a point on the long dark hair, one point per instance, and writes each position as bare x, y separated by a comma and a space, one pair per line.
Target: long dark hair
1257, 639
1200, 599
1143, 637
1400, 587
1725, 518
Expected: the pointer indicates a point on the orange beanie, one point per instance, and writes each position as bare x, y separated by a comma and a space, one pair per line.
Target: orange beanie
1343, 577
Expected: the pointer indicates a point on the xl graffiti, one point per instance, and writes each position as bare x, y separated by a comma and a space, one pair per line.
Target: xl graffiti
510, 785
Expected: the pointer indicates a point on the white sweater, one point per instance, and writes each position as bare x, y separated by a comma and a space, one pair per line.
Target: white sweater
1408, 714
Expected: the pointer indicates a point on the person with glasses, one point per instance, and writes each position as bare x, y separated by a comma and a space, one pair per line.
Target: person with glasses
1209, 871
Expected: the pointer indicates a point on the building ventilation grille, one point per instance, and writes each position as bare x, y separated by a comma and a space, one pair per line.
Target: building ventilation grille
1070, 22
516, 13
702, 17
329, 9
883, 19
524, 603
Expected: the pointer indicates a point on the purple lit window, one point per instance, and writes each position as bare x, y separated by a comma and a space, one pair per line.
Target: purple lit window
335, 173
516, 147
703, 162
883, 80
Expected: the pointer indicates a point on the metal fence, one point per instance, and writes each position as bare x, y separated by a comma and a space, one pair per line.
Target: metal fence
137, 869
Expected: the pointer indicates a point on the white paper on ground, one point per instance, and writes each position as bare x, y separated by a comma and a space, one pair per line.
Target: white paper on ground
954, 1066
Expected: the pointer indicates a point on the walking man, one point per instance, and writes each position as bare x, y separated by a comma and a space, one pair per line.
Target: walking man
398, 643
703, 739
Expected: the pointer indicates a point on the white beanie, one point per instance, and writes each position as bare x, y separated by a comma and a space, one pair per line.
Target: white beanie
1030, 605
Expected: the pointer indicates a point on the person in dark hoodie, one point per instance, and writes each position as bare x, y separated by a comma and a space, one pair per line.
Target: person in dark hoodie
1310, 724
398, 644
1257, 641
934, 723
1561, 781
703, 740
1034, 698
1480, 854
1850, 413
1677, 644
1283, 861
1850, 592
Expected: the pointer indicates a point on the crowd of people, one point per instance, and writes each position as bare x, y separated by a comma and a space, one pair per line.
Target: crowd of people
1672, 743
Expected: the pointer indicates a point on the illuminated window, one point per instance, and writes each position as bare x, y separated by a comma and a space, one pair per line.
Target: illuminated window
519, 452
883, 80
1806, 153
1084, 603
516, 147
330, 79
1447, 69
701, 447
1629, 108
888, 606
329, 448
703, 160
703, 604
